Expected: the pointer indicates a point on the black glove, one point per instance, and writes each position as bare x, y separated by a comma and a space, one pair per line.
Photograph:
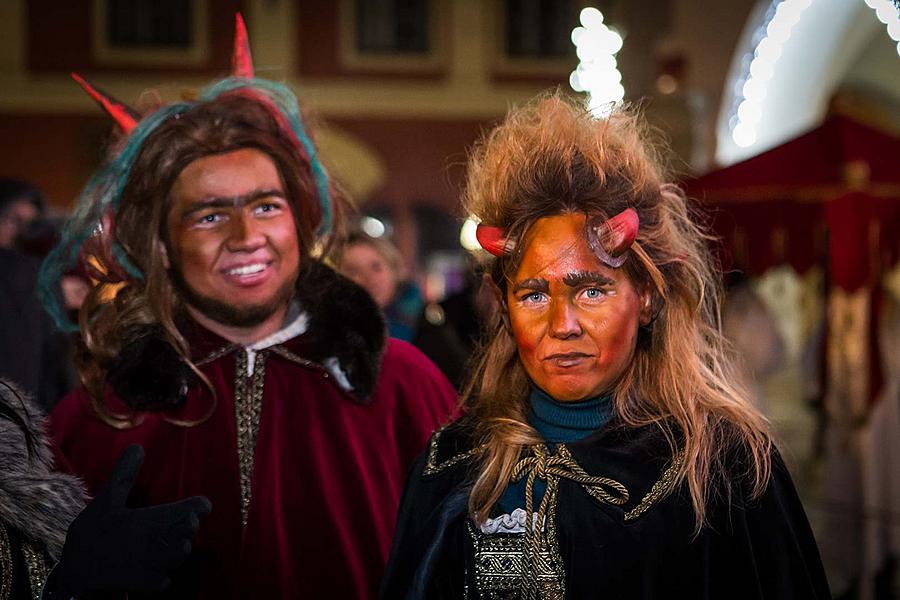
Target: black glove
113, 548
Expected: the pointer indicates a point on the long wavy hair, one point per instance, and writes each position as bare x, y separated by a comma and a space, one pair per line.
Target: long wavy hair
553, 157
141, 295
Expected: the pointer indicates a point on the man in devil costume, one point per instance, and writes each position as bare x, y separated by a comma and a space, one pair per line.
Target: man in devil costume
251, 373
606, 451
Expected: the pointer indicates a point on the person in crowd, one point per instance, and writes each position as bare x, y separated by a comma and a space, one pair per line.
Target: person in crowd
250, 372
21, 204
32, 353
606, 450
52, 546
376, 265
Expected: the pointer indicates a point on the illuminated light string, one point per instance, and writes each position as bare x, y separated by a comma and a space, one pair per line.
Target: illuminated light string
888, 13
597, 74
752, 87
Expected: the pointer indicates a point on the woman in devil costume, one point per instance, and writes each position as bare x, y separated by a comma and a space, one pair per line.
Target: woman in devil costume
606, 450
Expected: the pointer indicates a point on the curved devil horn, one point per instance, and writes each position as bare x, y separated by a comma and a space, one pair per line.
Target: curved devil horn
125, 117
241, 61
611, 238
493, 239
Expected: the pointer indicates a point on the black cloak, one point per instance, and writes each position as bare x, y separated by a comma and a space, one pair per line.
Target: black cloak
617, 530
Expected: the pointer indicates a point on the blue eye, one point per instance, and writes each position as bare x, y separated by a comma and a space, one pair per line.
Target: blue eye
533, 297
594, 293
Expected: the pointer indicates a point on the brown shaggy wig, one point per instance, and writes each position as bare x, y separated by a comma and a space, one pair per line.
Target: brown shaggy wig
553, 157
113, 315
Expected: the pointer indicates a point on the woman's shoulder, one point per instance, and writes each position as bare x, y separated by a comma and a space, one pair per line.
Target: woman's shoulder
451, 447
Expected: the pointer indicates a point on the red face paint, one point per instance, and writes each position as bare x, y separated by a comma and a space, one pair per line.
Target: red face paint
575, 320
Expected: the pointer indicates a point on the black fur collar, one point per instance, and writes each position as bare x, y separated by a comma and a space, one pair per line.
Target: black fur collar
344, 324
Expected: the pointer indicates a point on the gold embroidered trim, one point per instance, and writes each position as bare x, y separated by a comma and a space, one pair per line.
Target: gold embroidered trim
6, 566
37, 569
305, 362
500, 563
659, 490
431, 464
216, 354
248, 395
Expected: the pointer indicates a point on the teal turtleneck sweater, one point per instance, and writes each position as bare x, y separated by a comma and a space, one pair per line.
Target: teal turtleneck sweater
558, 423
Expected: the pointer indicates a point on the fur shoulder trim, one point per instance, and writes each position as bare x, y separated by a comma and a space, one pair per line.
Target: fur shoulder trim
38, 502
345, 324
346, 334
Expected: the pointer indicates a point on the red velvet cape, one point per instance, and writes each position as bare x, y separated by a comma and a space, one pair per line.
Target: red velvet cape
326, 480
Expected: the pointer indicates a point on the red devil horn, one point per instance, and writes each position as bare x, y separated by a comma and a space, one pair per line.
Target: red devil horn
493, 239
623, 230
125, 117
611, 238
241, 61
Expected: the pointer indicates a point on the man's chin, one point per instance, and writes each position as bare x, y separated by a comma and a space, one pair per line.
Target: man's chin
235, 316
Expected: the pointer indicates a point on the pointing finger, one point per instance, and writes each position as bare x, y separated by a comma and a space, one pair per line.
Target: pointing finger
121, 480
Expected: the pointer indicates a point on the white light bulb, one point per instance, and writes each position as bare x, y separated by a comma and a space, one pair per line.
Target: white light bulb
761, 69
575, 82
613, 41
373, 227
778, 31
749, 112
885, 13
577, 33
743, 135
591, 17
769, 50
893, 30
754, 90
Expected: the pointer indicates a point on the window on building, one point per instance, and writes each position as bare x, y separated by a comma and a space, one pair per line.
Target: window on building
393, 26
150, 23
539, 29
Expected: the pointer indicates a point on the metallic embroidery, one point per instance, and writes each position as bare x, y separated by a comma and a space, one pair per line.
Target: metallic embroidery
432, 466
37, 569
216, 355
248, 395
500, 563
659, 489
6, 566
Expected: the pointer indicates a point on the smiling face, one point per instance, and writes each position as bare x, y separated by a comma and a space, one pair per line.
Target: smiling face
575, 320
233, 243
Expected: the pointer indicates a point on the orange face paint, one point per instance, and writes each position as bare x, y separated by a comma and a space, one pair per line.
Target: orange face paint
575, 320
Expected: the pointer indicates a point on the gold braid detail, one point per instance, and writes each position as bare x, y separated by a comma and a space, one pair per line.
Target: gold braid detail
539, 545
248, 397
37, 569
659, 489
432, 466
6, 564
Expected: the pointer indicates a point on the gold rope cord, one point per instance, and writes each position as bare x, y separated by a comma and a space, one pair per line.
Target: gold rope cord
540, 551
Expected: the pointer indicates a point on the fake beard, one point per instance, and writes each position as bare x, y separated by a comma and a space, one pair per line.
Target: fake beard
230, 315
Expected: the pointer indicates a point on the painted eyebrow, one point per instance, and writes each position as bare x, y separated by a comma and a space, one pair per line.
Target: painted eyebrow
583, 277
536, 285
230, 201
